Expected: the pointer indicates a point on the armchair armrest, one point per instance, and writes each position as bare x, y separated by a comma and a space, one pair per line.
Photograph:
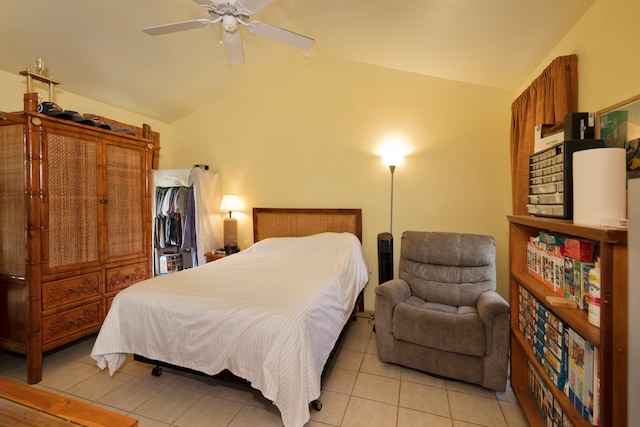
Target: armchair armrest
393, 292
388, 295
494, 312
490, 303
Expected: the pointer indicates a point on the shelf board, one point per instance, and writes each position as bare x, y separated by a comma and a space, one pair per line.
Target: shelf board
39, 77
575, 318
564, 226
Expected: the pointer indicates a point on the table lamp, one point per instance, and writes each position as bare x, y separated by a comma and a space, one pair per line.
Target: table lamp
230, 229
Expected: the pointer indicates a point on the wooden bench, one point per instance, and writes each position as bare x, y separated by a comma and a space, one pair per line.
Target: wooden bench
25, 406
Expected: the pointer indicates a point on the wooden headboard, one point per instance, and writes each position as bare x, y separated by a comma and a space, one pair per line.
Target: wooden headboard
285, 222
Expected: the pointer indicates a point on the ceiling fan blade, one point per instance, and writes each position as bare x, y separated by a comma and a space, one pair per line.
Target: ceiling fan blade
252, 5
281, 35
202, 2
233, 47
178, 26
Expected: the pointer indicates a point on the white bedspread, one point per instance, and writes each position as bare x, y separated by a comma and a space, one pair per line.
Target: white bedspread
270, 314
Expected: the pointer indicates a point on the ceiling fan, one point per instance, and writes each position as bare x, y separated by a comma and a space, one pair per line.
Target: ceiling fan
230, 13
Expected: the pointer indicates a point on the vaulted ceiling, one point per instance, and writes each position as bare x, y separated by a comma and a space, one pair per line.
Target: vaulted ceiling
97, 49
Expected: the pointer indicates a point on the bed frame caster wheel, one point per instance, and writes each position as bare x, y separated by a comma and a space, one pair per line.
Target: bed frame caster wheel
156, 371
317, 405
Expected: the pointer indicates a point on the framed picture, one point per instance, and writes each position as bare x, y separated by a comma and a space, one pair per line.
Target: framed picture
619, 127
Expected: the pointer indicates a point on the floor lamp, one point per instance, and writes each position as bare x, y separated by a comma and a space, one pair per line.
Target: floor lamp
385, 240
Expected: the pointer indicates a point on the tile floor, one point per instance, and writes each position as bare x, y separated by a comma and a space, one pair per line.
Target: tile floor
359, 390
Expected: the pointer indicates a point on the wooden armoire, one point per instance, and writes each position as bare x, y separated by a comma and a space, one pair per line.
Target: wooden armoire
75, 226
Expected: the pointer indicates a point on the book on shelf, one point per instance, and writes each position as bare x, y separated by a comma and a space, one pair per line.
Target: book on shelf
580, 249
586, 267
525, 315
545, 333
549, 346
576, 283
580, 385
569, 361
550, 409
544, 263
562, 264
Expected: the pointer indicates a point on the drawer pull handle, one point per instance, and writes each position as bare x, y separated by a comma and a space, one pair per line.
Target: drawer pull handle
76, 322
76, 291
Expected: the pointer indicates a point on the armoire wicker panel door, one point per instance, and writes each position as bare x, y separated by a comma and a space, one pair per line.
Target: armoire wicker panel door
72, 211
12, 205
125, 204
126, 217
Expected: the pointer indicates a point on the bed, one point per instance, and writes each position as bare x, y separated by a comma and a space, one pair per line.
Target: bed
235, 314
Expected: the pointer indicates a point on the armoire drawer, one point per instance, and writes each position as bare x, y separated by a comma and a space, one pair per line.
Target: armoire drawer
70, 290
121, 277
71, 321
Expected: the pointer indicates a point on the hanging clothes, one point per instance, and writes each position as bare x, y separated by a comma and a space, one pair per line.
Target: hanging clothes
189, 240
159, 234
176, 218
187, 215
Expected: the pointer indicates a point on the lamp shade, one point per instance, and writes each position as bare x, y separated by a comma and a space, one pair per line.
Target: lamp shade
229, 203
392, 158
393, 151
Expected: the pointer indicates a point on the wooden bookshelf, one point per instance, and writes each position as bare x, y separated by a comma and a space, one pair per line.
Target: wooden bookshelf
610, 338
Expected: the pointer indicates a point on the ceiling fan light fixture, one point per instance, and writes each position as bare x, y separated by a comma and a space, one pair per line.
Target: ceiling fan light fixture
230, 23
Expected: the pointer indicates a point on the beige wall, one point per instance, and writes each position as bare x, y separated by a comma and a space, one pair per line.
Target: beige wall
310, 137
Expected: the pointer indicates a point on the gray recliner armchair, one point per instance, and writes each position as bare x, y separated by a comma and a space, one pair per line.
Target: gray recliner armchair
442, 315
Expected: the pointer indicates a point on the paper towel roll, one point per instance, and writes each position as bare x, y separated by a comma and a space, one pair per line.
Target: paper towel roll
599, 186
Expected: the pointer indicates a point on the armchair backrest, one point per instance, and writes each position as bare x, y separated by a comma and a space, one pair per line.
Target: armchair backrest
448, 268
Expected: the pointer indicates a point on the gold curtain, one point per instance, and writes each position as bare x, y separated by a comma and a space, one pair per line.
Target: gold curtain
547, 100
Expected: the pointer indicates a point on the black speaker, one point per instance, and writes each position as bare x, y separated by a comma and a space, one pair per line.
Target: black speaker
385, 257
579, 126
